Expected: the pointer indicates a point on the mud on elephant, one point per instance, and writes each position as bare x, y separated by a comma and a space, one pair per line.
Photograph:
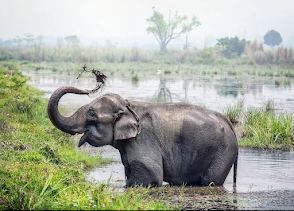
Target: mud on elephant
172, 142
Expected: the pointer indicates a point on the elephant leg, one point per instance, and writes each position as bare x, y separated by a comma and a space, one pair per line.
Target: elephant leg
220, 168
144, 173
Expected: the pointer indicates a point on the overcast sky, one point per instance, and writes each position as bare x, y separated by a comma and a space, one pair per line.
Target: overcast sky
125, 20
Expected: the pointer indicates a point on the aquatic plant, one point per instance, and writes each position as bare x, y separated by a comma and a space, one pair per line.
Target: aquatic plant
269, 105
135, 78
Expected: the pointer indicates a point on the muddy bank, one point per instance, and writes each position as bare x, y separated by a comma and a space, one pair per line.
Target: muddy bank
214, 199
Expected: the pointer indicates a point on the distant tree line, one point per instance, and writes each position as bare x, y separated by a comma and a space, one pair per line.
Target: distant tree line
166, 30
31, 48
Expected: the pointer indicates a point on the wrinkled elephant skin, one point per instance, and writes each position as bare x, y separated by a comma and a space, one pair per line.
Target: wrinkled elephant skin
173, 142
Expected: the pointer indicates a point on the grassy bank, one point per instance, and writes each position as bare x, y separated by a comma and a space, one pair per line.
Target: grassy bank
262, 127
39, 166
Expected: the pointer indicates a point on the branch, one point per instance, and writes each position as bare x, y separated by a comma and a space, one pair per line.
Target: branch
169, 28
156, 37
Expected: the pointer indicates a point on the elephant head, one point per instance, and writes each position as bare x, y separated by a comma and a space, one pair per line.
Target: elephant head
103, 121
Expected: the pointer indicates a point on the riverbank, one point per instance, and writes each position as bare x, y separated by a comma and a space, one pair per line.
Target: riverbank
215, 198
40, 167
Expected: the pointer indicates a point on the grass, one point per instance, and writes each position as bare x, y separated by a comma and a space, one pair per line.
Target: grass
269, 105
135, 78
262, 127
234, 112
40, 167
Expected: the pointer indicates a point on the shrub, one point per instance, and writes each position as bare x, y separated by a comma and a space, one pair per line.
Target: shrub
233, 46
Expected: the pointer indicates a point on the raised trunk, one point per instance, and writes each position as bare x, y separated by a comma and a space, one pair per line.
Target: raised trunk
73, 124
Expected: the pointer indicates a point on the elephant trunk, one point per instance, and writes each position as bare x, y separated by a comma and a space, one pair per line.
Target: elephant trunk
73, 124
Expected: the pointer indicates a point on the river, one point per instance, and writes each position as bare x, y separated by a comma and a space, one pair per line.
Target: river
258, 170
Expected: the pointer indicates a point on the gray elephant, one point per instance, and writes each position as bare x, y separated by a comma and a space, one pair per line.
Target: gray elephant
172, 142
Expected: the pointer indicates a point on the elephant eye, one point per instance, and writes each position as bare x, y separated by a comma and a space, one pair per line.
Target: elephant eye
91, 116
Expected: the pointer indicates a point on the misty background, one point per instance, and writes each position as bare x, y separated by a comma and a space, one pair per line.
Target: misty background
123, 23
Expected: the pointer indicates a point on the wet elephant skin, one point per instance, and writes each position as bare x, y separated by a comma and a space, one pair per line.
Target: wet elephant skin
173, 142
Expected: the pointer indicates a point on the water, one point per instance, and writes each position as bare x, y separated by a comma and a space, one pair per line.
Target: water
257, 170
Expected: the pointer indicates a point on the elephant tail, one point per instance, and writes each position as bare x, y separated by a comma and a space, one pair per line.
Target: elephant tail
235, 168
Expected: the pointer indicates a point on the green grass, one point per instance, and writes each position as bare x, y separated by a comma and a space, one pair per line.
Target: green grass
40, 167
135, 78
262, 127
234, 112
265, 129
269, 105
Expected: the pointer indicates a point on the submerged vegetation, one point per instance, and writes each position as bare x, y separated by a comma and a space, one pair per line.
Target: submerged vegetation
40, 167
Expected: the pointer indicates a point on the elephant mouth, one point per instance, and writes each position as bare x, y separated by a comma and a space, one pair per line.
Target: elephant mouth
83, 138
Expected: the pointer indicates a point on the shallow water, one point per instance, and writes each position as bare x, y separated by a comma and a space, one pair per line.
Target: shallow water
257, 170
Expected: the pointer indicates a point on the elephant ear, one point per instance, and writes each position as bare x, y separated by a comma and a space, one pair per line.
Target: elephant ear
127, 124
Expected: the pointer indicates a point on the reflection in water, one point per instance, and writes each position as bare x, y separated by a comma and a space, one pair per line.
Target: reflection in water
163, 94
256, 170
228, 86
214, 92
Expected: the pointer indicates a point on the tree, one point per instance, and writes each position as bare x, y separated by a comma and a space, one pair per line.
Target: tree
29, 38
72, 39
272, 38
165, 31
18, 40
189, 25
233, 46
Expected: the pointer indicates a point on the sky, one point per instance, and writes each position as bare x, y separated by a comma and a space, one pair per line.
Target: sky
124, 21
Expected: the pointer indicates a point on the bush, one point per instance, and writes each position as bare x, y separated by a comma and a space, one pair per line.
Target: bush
233, 46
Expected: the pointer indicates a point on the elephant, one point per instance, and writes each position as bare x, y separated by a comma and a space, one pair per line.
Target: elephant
173, 142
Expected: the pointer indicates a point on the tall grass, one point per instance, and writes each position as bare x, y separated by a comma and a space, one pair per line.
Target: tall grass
262, 127
234, 112
40, 167
254, 54
266, 129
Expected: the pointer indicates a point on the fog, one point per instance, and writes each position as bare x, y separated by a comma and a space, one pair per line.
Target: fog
124, 22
